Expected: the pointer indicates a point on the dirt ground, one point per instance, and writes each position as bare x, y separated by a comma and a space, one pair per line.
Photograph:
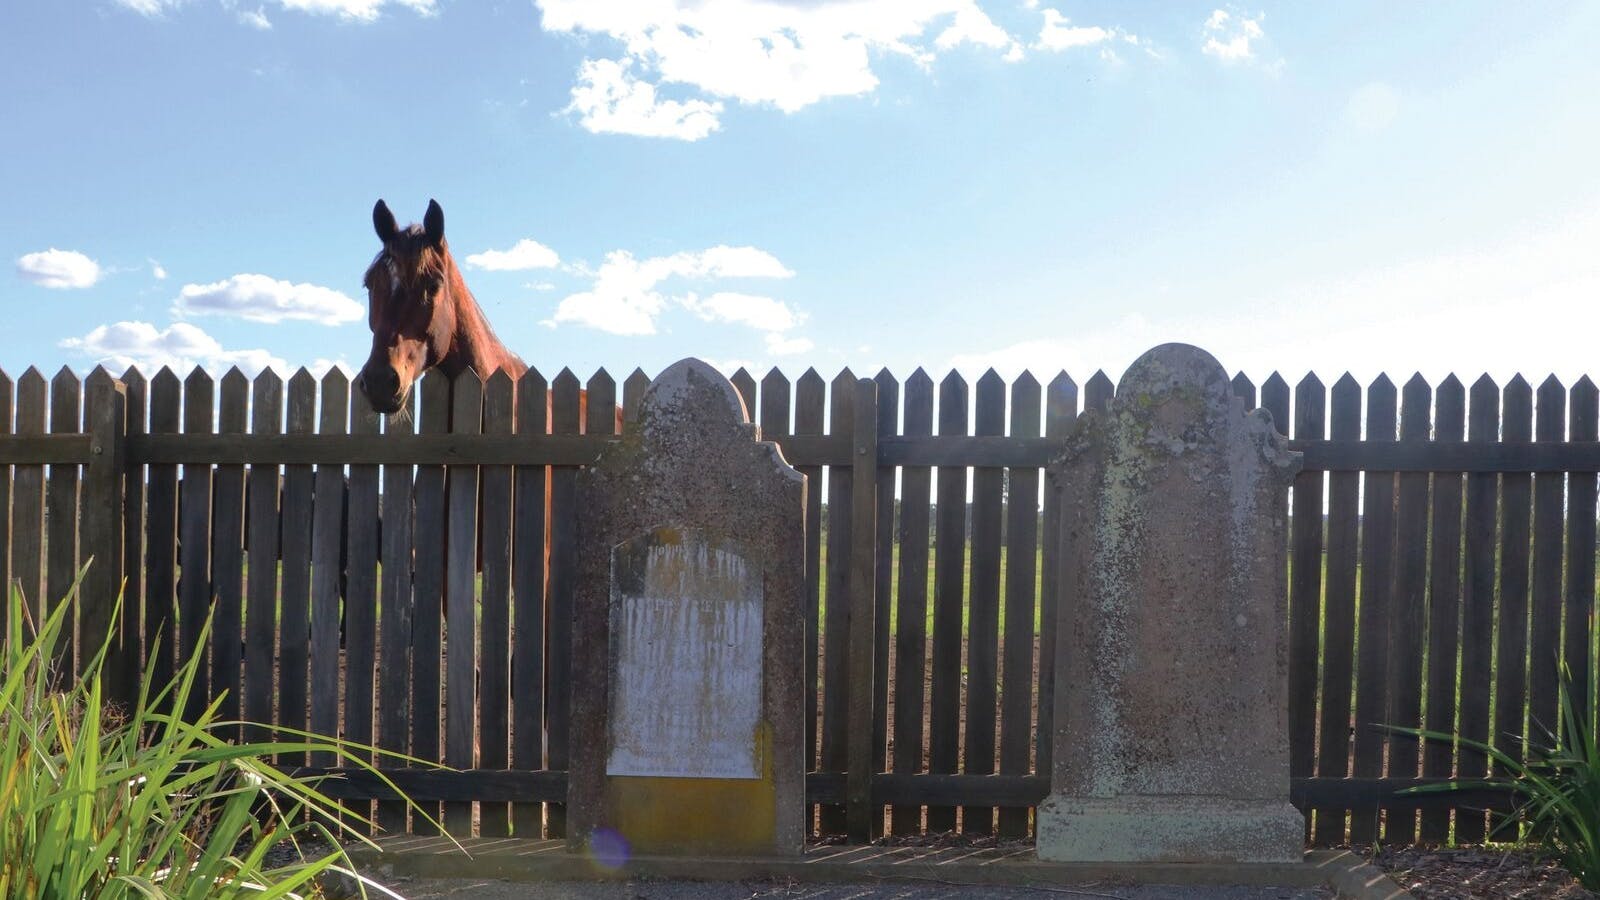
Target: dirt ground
749, 890
1475, 872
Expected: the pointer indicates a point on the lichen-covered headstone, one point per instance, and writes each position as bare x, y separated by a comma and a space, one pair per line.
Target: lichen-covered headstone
1171, 734
688, 634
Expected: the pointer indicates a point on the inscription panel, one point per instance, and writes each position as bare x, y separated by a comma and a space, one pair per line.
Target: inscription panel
686, 651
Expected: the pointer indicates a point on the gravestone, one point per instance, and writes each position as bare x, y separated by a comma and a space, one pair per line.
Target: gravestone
1171, 733
688, 637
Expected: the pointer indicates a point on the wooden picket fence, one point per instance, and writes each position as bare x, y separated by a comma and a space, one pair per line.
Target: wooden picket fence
388, 580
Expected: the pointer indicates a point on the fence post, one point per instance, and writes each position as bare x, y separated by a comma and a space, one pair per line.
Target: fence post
863, 581
105, 408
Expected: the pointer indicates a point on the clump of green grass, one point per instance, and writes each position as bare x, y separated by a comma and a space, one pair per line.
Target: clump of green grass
101, 803
1557, 790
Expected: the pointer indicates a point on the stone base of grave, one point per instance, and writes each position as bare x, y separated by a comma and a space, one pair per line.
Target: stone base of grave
1169, 829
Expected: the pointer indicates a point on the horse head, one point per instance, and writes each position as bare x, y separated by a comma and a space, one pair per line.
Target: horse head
412, 309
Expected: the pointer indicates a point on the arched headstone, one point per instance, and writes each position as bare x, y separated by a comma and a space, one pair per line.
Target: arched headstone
688, 659
1171, 738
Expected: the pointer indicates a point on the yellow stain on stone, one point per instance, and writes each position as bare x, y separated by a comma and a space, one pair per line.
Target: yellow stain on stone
688, 815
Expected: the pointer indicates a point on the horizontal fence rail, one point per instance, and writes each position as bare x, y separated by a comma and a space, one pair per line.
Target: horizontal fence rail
407, 581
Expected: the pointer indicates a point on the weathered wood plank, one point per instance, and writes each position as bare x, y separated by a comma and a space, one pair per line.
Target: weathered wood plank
362, 533
494, 673
566, 418
888, 407
227, 553
194, 540
949, 565
1275, 400
1511, 622
1061, 409
1477, 603
528, 584
461, 606
632, 392
838, 603
262, 534
1022, 541
745, 384
428, 574
809, 401
6, 408
1579, 629
1333, 752
864, 820
105, 418
1409, 603
161, 568
1244, 389
1444, 604
394, 639
294, 622
1374, 614
1305, 585
1544, 635
327, 575
911, 652
983, 604
61, 512
1099, 390
133, 498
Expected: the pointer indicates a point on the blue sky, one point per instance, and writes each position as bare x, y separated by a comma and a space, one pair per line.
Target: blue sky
1011, 183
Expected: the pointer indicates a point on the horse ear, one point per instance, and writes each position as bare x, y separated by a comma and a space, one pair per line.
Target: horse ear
383, 222
433, 223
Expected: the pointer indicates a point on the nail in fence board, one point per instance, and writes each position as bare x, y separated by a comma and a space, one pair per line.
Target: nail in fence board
494, 665
1333, 754
1477, 603
1444, 603
1022, 524
949, 564
983, 598
262, 535
911, 650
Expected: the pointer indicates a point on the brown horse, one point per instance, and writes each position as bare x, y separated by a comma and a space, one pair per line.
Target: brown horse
422, 314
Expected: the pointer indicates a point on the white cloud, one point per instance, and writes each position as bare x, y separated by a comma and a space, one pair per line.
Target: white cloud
257, 20
59, 269
1058, 33
1372, 107
258, 298
760, 313
609, 100
625, 299
1231, 37
525, 254
786, 55
150, 8
357, 10
181, 346
157, 270
778, 345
